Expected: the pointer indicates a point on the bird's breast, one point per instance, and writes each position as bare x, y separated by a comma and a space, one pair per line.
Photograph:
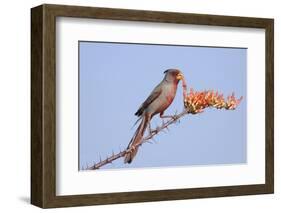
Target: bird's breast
164, 100
170, 94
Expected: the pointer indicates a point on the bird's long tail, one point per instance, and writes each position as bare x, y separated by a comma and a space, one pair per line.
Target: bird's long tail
136, 139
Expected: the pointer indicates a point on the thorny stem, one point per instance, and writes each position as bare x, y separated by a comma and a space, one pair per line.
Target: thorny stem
154, 132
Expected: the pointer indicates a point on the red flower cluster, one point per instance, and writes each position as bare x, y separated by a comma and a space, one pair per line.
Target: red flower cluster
195, 102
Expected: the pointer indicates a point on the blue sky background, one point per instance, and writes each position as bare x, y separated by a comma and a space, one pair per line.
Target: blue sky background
116, 78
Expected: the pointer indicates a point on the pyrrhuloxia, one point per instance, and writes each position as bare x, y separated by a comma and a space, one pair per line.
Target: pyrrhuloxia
158, 101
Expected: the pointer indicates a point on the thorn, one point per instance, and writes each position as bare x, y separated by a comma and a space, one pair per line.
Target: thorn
154, 140
100, 158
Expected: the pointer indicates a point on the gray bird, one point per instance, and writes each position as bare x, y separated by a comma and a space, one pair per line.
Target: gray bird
158, 101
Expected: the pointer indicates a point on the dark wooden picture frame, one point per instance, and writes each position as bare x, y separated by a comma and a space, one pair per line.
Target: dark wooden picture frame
43, 105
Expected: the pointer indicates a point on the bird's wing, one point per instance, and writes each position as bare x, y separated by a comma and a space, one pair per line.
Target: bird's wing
154, 94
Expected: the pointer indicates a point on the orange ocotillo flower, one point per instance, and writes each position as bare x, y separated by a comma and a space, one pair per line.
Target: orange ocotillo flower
196, 102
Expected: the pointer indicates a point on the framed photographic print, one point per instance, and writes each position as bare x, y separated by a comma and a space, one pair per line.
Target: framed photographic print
135, 106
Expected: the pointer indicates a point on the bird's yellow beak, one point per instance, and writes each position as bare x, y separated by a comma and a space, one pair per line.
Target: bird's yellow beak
179, 76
